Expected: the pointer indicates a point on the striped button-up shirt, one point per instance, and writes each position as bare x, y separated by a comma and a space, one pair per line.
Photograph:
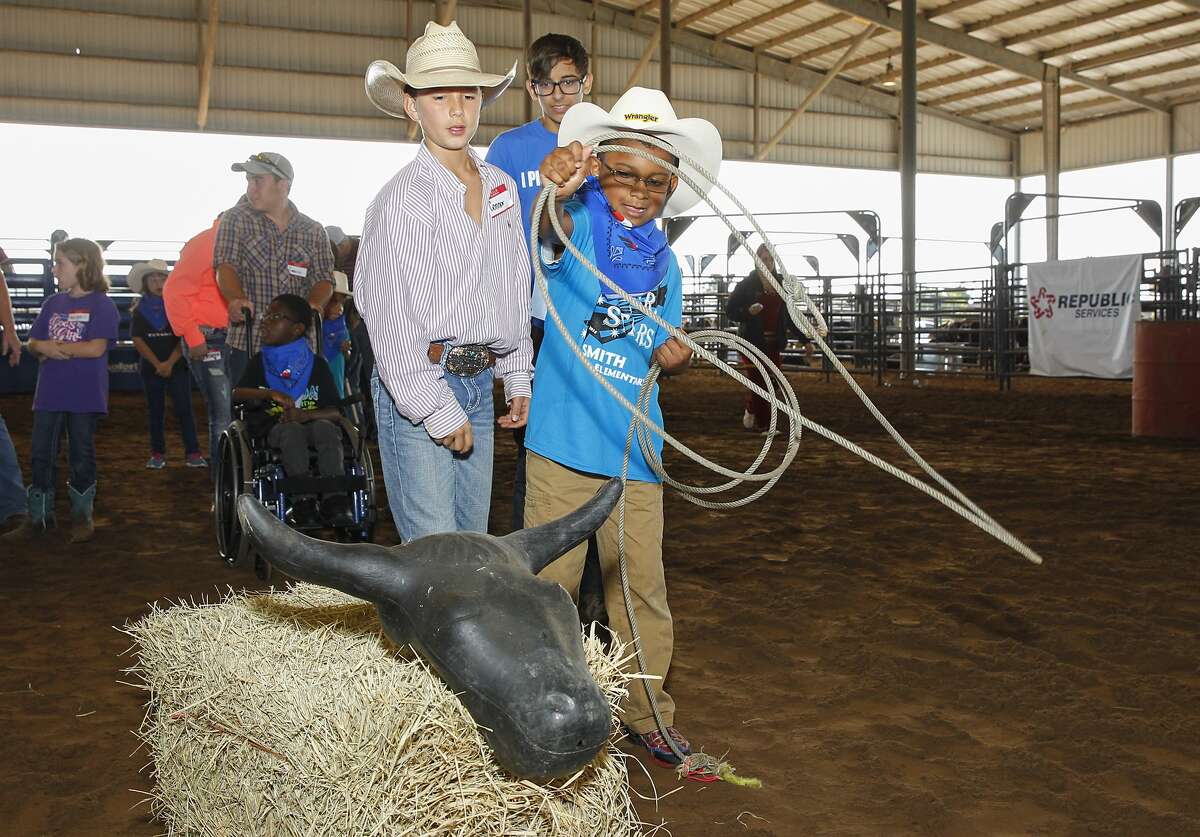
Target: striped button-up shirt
270, 262
428, 273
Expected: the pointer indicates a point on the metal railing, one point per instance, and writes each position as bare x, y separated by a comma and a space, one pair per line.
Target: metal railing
967, 321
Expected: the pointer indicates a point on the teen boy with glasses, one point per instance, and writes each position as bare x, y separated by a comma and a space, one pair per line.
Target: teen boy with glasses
557, 78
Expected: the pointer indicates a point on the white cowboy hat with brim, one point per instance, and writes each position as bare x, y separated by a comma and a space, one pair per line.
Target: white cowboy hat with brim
341, 283
649, 111
442, 57
139, 272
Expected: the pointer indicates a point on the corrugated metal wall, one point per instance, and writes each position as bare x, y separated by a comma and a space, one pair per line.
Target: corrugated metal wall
1133, 136
295, 69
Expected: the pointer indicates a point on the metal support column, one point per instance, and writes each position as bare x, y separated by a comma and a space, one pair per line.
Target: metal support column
756, 132
1051, 153
1169, 205
664, 47
908, 181
527, 39
1015, 256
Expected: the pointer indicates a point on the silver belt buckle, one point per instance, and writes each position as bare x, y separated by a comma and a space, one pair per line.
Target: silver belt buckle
465, 361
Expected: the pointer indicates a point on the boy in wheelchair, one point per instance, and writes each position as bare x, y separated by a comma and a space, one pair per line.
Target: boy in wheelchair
297, 390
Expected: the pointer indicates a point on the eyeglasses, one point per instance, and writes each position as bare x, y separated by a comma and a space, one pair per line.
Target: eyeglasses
272, 317
568, 86
657, 183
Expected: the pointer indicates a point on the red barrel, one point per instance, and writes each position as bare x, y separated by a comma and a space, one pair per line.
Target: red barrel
1166, 380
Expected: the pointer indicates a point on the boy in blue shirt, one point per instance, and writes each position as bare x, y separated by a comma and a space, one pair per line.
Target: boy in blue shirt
556, 77
607, 205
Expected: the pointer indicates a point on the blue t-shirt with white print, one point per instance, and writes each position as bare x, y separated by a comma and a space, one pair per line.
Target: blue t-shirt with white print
519, 152
572, 419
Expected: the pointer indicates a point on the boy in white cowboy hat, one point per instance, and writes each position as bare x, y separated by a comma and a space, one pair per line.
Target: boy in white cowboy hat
442, 282
161, 370
607, 205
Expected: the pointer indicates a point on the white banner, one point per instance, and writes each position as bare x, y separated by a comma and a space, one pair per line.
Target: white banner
1082, 314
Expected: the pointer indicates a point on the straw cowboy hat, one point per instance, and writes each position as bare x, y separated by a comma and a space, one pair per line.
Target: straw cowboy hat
649, 112
341, 283
139, 272
442, 57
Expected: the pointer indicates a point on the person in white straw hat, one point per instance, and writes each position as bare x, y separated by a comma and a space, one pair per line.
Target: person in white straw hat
442, 283
607, 206
161, 369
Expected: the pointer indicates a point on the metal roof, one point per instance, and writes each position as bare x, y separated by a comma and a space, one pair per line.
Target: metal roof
295, 68
1143, 51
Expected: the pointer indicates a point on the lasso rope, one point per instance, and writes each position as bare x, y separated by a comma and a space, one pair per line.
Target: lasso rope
799, 306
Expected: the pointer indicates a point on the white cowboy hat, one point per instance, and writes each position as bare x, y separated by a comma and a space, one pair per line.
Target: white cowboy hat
341, 283
138, 273
649, 112
442, 57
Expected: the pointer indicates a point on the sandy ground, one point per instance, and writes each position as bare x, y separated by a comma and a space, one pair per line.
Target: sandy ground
883, 668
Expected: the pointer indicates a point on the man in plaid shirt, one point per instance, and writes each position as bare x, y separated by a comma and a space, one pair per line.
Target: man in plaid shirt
265, 247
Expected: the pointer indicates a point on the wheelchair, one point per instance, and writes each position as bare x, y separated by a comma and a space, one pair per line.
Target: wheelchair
247, 465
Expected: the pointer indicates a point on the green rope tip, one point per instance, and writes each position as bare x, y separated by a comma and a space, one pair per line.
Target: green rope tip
726, 771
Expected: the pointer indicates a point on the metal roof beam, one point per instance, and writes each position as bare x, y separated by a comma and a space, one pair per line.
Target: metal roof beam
979, 91
807, 29
1156, 70
966, 75
951, 8
209, 41
700, 14
893, 74
1136, 52
1008, 17
932, 33
830, 75
1077, 22
1120, 35
759, 20
744, 59
833, 46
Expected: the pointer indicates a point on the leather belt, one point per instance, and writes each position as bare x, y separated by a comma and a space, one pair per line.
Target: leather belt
462, 361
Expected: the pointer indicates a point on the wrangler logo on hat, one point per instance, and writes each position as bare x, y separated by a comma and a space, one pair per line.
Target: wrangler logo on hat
640, 117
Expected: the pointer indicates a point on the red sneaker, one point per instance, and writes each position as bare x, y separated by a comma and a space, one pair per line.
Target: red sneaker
658, 747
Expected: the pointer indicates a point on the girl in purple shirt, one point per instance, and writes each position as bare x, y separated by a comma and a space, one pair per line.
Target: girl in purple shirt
71, 338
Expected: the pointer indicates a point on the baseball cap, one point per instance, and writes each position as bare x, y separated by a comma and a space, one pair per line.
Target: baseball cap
266, 162
336, 235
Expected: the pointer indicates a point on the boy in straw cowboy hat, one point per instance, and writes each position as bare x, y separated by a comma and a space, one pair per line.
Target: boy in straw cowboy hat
443, 284
607, 205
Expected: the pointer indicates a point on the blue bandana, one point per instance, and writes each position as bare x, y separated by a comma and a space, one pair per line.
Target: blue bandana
333, 335
288, 368
153, 310
634, 257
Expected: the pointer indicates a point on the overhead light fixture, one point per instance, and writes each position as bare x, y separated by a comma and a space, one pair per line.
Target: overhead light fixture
889, 79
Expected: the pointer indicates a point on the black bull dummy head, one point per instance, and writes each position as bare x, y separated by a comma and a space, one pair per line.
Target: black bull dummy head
506, 642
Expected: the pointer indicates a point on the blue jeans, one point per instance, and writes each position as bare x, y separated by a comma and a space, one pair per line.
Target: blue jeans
12, 488
430, 488
48, 427
179, 385
212, 376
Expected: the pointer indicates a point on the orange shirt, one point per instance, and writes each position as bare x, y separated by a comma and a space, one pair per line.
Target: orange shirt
192, 296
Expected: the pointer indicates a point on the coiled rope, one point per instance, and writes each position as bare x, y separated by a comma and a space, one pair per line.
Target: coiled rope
778, 392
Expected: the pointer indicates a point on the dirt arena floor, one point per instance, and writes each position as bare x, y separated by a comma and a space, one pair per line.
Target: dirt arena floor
882, 668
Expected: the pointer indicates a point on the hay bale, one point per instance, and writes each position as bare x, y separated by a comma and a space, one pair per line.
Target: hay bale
290, 713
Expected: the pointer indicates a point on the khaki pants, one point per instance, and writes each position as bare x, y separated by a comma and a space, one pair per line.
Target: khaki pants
552, 491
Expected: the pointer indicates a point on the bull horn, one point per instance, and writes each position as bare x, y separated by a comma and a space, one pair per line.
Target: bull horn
363, 570
541, 545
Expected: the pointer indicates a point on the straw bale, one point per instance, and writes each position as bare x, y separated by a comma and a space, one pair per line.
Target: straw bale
289, 713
